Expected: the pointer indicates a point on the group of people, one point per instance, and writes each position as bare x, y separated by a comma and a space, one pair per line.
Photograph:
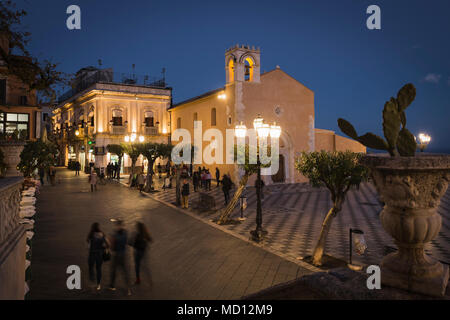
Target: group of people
202, 178
114, 248
50, 172
112, 170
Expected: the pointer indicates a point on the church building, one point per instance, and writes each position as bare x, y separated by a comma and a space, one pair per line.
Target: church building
276, 97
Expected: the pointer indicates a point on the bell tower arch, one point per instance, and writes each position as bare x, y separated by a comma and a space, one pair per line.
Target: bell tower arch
242, 64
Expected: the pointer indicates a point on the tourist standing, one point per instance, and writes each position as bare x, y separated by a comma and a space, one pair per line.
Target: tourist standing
77, 168
41, 172
97, 245
140, 181
140, 244
119, 242
226, 187
196, 180
185, 194
208, 180
217, 176
93, 180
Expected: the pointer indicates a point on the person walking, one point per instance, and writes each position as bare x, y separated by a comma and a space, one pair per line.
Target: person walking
140, 181
97, 243
195, 181
41, 174
159, 170
77, 168
140, 244
226, 187
119, 242
93, 180
217, 176
185, 194
208, 180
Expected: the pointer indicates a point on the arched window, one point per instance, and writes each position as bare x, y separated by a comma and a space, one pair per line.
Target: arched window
117, 117
195, 118
213, 116
178, 123
231, 70
149, 119
248, 76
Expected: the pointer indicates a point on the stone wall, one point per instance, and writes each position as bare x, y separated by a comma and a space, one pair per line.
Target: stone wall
12, 157
12, 240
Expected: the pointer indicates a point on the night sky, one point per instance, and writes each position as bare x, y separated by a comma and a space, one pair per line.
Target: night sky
323, 44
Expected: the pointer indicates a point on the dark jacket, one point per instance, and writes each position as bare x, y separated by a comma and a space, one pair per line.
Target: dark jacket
226, 183
97, 242
185, 189
120, 241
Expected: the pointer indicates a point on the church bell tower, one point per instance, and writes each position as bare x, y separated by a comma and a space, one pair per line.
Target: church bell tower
242, 64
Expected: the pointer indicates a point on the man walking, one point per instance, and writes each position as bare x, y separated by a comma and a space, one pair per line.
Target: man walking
119, 242
217, 176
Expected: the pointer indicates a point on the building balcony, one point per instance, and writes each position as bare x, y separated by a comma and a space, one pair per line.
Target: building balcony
151, 131
121, 130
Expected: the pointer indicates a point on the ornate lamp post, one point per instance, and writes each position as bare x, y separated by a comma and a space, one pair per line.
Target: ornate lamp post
263, 130
424, 140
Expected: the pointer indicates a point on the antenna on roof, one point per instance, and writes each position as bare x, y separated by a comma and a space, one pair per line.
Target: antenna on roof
100, 62
164, 75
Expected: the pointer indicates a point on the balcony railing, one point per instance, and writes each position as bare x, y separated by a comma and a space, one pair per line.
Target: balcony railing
106, 76
151, 131
118, 129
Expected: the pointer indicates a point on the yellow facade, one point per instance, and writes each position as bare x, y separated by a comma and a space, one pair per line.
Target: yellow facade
274, 95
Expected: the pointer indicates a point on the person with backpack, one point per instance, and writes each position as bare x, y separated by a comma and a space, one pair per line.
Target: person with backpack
98, 246
140, 243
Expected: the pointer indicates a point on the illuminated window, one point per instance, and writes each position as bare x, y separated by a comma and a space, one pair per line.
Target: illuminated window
231, 70
117, 117
149, 119
213, 116
15, 122
248, 69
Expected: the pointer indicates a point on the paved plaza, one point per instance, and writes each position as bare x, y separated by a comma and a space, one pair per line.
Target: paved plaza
188, 259
293, 213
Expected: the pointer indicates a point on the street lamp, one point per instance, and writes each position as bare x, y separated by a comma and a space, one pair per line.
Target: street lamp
424, 140
127, 138
263, 130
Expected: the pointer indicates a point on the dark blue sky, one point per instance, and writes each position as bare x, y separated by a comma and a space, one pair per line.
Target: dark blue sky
323, 44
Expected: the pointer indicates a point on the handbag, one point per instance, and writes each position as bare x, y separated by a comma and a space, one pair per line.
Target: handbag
106, 255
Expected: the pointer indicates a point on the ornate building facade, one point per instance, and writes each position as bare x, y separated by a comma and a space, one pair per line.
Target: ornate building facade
107, 108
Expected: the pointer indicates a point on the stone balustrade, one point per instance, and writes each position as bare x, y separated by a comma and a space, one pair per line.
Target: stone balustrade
12, 240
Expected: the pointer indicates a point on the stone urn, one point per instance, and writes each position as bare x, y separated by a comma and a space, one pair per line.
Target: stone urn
411, 188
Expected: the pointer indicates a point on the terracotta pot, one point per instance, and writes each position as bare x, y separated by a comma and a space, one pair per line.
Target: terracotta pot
411, 188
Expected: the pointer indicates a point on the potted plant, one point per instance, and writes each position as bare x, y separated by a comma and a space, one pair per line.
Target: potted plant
411, 187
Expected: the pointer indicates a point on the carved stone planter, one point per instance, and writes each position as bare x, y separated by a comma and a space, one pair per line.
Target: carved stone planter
411, 188
12, 151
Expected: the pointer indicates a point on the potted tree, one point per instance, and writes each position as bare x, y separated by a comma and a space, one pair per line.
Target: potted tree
411, 187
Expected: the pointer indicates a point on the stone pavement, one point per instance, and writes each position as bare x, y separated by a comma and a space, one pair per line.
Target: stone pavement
188, 259
293, 213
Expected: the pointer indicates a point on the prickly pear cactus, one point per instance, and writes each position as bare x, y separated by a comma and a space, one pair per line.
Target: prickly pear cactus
399, 140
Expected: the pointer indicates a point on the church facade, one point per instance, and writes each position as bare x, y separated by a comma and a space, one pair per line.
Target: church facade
276, 97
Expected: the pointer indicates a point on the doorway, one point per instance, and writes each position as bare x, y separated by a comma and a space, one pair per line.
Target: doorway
280, 176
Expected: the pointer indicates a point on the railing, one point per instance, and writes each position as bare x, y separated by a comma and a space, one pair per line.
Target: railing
151, 131
118, 129
107, 76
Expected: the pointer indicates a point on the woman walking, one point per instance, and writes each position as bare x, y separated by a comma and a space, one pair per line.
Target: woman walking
97, 243
140, 243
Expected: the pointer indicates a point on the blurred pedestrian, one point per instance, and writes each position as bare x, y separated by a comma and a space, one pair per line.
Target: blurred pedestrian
217, 176
226, 187
119, 242
208, 180
41, 171
140, 181
98, 244
77, 168
140, 243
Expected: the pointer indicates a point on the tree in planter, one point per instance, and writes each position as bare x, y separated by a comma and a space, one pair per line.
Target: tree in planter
153, 151
338, 172
249, 169
36, 154
133, 151
117, 149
